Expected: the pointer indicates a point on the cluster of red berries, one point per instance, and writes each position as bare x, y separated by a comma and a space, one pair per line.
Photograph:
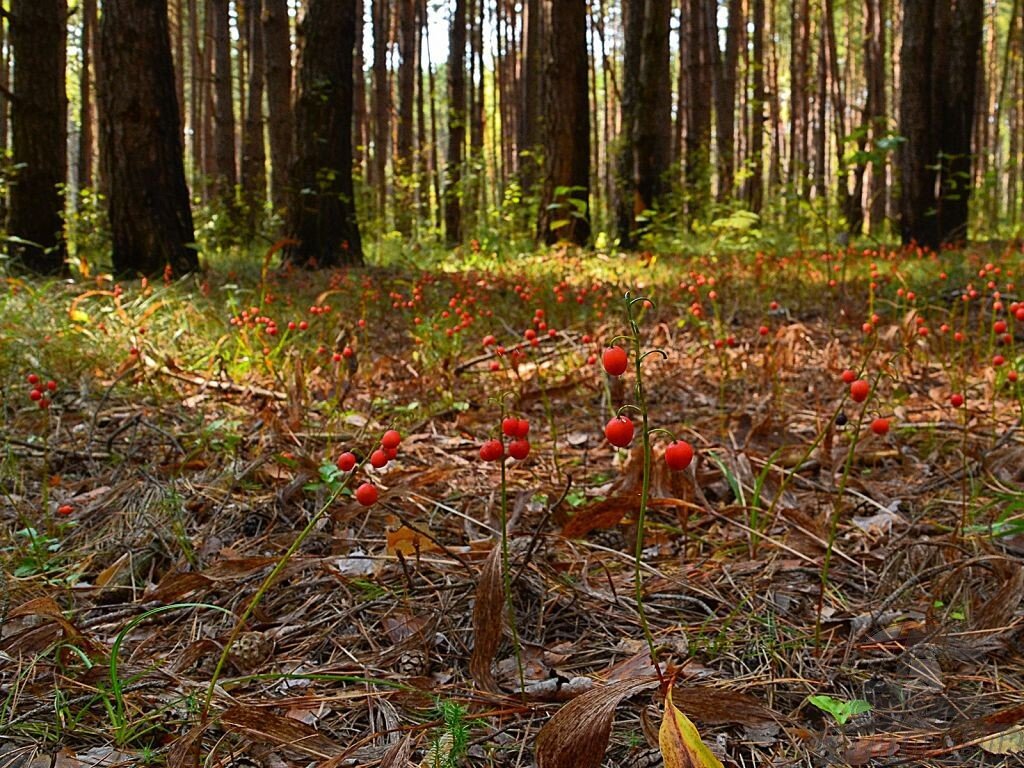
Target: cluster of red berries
41, 392
251, 318
619, 432
367, 493
859, 391
517, 431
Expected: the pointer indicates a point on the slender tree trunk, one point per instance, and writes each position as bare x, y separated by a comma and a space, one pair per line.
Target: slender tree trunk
39, 133
700, 74
150, 218
322, 213
87, 107
564, 209
726, 107
435, 169
875, 108
403, 171
254, 156
360, 134
280, 120
530, 85
381, 103
755, 184
799, 96
226, 175
456, 124
195, 110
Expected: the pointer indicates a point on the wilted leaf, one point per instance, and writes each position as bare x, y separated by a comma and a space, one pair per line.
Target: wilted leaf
488, 613
408, 541
577, 735
680, 743
1006, 743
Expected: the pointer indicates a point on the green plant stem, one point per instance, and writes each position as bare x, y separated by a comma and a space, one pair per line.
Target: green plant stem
264, 587
506, 575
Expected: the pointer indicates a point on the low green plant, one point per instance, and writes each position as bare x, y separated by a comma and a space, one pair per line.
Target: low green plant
841, 710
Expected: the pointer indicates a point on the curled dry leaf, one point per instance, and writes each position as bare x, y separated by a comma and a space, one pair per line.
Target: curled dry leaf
577, 735
680, 743
488, 613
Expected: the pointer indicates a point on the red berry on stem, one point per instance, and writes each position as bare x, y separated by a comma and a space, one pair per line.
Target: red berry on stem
36, 395
347, 461
522, 429
510, 426
51, 385
378, 458
492, 450
519, 449
367, 494
391, 439
880, 426
615, 361
956, 400
678, 455
65, 509
849, 376
859, 391
619, 431
33, 379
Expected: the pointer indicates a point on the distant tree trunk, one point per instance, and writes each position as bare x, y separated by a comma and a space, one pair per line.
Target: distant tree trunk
700, 73
280, 123
726, 106
87, 108
799, 108
564, 205
322, 213
754, 194
529, 138
381, 104
403, 171
39, 133
178, 48
630, 110
456, 124
435, 168
226, 175
196, 90
875, 107
937, 81
254, 155
360, 136
150, 218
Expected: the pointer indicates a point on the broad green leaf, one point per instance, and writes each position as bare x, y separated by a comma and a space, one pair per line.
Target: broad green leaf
680, 743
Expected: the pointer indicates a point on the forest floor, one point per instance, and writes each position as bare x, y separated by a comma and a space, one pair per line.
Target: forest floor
188, 579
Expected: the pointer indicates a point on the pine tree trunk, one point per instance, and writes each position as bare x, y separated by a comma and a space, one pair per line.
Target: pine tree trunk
456, 124
254, 155
754, 194
150, 218
726, 106
564, 206
225, 174
529, 138
280, 118
39, 133
322, 215
381, 104
87, 108
403, 171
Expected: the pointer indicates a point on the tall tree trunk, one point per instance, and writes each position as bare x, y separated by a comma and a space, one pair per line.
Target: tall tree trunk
87, 108
280, 118
226, 175
755, 184
195, 99
403, 171
800, 36
150, 218
726, 106
630, 109
875, 111
381, 104
254, 155
322, 214
700, 74
937, 81
360, 136
456, 124
529, 138
564, 208
39, 133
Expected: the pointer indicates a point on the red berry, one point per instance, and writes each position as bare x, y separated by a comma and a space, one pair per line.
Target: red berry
33, 379
678, 455
880, 426
522, 429
347, 461
65, 509
998, 360
367, 494
51, 385
999, 326
391, 453
763, 330
36, 394
44, 403
492, 450
489, 340
615, 361
619, 431
849, 376
519, 449
378, 458
391, 439
859, 391
510, 426
956, 400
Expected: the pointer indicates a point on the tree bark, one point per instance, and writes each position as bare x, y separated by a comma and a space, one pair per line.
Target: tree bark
322, 214
39, 133
529, 138
225, 173
403, 171
381, 104
254, 155
150, 218
564, 205
456, 125
754, 193
281, 122
87, 108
